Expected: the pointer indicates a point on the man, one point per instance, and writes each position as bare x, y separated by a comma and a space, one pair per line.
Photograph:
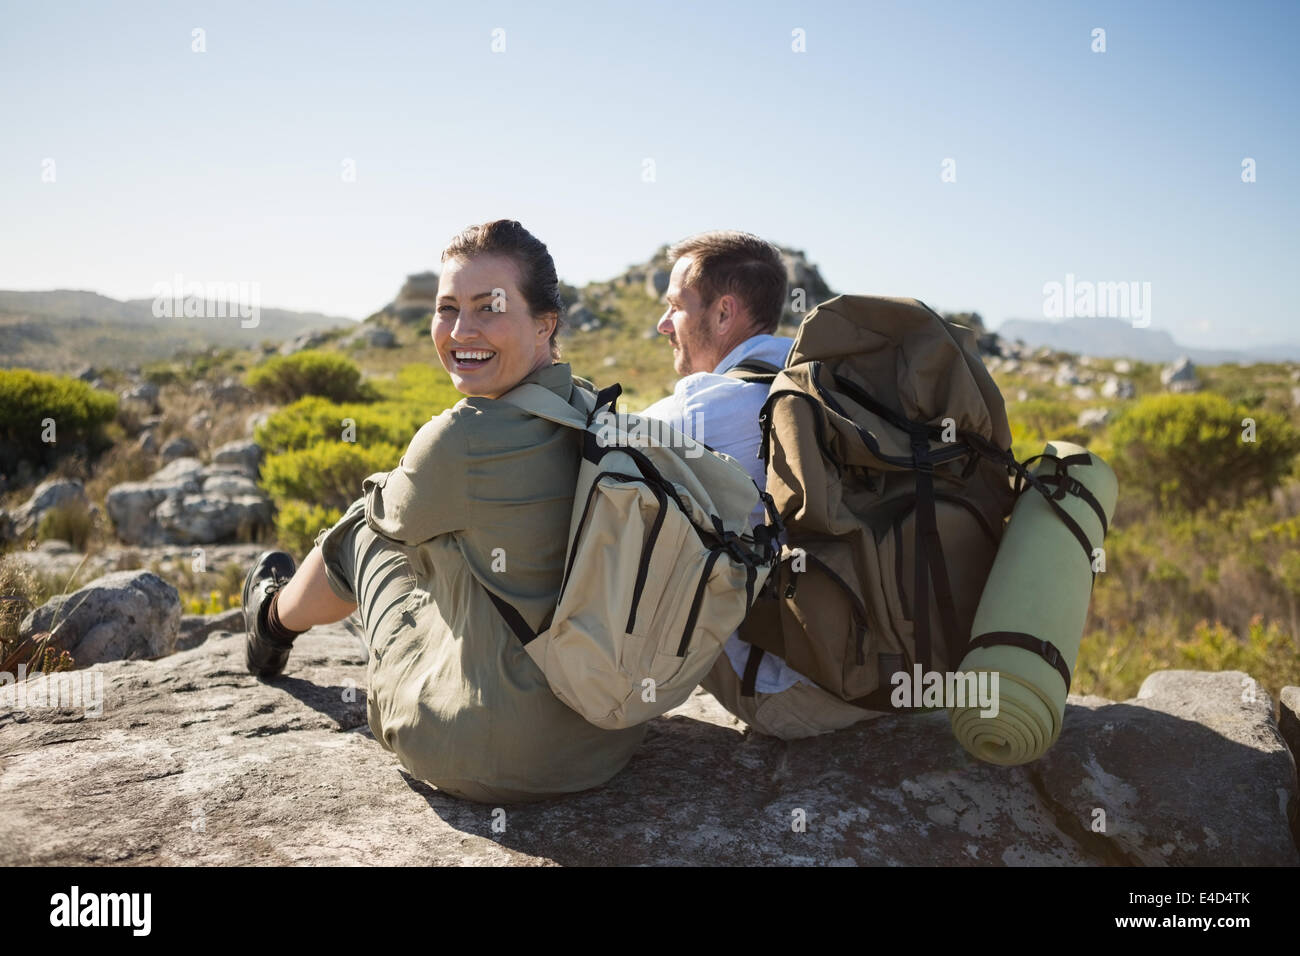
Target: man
725, 296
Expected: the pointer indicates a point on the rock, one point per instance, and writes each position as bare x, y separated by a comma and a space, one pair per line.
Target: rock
656, 283
1067, 376
87, 373
126, 614
371, 336
147, 443
51, 493
304, 340
144, 394
1084, 393
242, 453
1122, 367
1180, 376
230, 392
186, 503
1094, 418
197, 628
198, 422
178, 447
582, 318
254, 420
1186, 775
609, 361
1115, 387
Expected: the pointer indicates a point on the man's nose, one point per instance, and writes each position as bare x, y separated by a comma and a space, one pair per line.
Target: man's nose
665, 326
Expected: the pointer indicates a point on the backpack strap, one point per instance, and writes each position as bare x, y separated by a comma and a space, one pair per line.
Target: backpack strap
752, 370
542, 402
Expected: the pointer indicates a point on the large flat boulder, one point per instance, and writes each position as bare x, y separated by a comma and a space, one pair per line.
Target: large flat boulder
195, 762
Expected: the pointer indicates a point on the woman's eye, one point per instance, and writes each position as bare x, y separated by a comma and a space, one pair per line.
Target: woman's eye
444, 308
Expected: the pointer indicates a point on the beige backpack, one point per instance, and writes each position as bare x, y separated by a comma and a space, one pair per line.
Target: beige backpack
661, 565
886, 443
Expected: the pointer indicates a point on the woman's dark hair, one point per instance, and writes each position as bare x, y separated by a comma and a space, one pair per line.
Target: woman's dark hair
537, 279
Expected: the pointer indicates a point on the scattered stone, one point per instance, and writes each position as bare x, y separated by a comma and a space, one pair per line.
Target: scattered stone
304, 340
1094, 418
179, 447
1084, 393
243, 453
1115, 387
122, 615
1180, 376
255, 420
1123, 367
51, 493
144, 394
371, 336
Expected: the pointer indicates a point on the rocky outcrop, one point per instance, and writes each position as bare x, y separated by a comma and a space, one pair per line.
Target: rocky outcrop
1180, 376
243, 454
370, 336
195, 762
186, 502
123, 615
49, 494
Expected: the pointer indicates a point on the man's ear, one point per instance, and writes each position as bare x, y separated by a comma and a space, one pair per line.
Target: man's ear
728, 312
548, 321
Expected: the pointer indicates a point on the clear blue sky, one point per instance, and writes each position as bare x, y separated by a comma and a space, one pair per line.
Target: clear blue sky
226, 165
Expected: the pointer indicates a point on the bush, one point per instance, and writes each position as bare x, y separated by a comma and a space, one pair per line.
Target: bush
71, 522
1190, 452
27, 398
287, 378
298, 523
314, 420
328, 474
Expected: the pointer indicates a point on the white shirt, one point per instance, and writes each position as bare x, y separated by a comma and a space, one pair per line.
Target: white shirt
722, 413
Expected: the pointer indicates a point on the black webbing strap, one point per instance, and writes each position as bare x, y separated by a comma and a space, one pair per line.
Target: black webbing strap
752, 370
929, 563
513, 618
1036, 645
747, 683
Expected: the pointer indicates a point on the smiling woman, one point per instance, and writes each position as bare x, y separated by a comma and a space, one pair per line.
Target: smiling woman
498, 308
478, 509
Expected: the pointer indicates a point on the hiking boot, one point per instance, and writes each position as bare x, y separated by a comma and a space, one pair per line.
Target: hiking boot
265, 655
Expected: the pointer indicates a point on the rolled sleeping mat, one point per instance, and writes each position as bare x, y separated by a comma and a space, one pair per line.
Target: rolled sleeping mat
1031, 614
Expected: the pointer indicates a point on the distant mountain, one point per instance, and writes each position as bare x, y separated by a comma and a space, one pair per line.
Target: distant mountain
1116, 338
63, 329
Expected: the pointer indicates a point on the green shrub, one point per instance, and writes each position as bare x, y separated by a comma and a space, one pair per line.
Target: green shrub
313, 420
27, 398
328, 473
70, 522
1189, 451
287, 378
298, 523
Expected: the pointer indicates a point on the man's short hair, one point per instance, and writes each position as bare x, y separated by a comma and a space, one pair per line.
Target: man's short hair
740, 264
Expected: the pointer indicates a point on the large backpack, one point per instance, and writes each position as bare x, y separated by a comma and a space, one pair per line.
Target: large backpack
661, 565
886, 445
